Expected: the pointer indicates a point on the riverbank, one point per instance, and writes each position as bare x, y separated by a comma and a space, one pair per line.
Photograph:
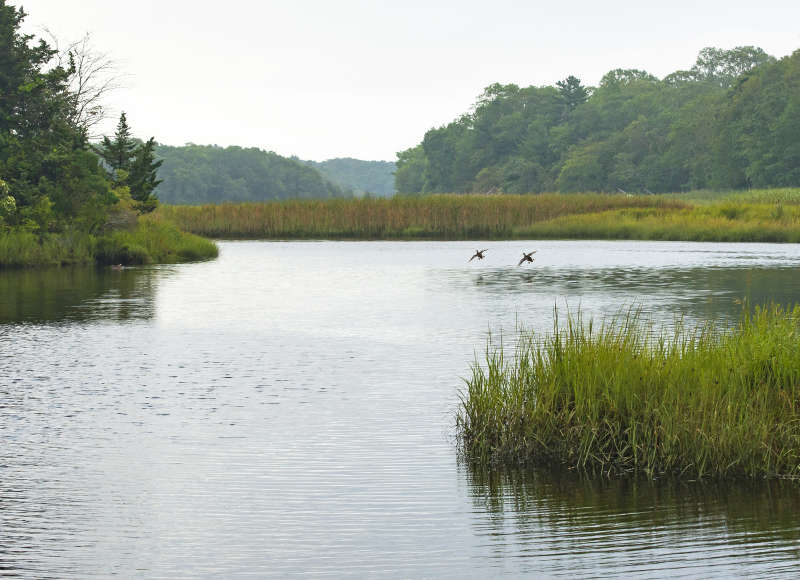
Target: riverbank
616, 399
764, 216
151, 241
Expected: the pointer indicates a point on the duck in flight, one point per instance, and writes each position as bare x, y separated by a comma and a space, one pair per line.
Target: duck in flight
478, 254
527, 257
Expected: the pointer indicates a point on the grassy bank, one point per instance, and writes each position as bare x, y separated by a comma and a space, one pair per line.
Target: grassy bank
767, 216
618, 399
728, 221
151, 241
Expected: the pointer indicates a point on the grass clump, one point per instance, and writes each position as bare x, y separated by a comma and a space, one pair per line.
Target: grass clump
622, 399
150, 241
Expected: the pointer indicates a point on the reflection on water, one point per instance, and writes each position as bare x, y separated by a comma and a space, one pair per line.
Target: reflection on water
697, 293
288, 410
77, 294
638, 527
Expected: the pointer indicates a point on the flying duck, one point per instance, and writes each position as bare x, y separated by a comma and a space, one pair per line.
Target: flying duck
527, 257
478, 254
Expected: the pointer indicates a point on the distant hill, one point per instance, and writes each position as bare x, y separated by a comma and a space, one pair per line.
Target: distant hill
374, 177
197, 174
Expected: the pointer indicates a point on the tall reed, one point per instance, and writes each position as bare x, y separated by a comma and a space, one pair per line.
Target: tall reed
432, 217
765, 216
620, 398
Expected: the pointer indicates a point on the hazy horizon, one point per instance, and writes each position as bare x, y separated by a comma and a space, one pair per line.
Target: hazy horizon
365, 80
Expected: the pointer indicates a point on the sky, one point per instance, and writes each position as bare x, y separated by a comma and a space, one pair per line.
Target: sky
350, 78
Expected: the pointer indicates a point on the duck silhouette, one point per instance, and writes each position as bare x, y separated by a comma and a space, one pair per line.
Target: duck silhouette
478, 254
527, 257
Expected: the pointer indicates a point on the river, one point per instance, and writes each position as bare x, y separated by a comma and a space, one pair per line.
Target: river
288, 409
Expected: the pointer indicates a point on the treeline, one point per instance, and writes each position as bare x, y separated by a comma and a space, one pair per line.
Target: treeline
732, 121
198, 174
363, 177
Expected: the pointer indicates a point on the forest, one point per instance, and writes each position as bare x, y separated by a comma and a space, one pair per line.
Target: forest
730, 122
198, 174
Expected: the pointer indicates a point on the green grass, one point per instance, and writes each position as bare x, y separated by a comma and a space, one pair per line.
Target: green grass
619, 398
721, 221
764, 216
151, 241
24, 249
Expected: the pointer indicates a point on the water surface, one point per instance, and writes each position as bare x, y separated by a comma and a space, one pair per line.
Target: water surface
288, 408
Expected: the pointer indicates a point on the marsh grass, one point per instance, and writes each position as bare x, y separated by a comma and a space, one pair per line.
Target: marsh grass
724, 221
621, 398
20, 249
151, 241
445, 217
757, 216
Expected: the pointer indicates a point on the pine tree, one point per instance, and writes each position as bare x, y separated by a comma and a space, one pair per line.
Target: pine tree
572, 92
143, 176
118, 153
132, 165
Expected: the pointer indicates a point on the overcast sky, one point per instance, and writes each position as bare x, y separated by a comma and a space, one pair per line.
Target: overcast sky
365, 79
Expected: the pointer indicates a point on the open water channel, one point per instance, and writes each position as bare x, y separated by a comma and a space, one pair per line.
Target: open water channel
288, 409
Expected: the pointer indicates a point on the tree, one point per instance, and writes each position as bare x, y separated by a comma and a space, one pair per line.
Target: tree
143, 176
91, 76
625, 76
572, 92
409, 176
132, 165
44, 157
722, 67
119, 152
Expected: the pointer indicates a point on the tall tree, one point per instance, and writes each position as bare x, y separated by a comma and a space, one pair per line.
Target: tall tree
44, 157
132, 164
572, 92
722, 67
143, 176
118, 153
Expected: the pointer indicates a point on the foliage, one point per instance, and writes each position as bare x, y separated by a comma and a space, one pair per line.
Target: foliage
196, 174
620, 398
732, 121
132, 165
152, 241
149, 241
59, 203
44, 154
